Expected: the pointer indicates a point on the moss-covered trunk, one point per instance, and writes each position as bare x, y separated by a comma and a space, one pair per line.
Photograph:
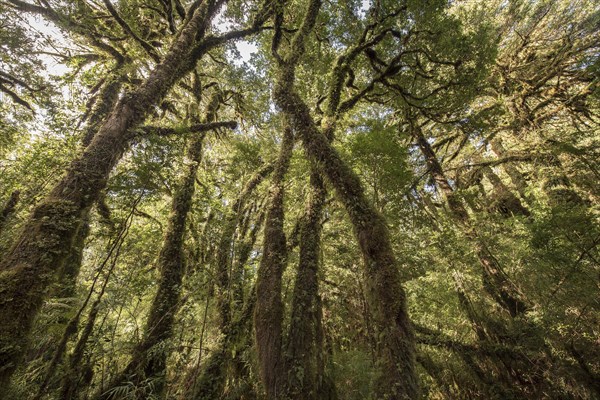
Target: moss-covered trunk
387, 299
268, 315
226, 363
516, 177
495, 280
149, 360
224, 251
214, 376
106, 99
40, 249
504, 200
67, 276
304, 353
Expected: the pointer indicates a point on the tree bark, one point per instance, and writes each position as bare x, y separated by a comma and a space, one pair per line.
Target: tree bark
222, 365
224, 250
214, 376
495, 280
38, 252
512, 171
149, 360
387, 298
268, 315
304, 355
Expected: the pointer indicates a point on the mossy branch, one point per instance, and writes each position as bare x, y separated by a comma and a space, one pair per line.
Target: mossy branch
196, 128
145, 45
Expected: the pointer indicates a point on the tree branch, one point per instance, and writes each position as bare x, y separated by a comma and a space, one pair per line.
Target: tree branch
196, 128
145, 45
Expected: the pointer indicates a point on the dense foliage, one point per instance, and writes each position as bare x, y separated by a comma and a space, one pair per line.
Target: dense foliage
277, 199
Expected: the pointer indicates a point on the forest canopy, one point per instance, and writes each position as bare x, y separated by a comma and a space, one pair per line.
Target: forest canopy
299, 200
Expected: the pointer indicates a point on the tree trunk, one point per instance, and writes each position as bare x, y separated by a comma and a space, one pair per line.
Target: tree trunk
387, 298
304, 355
214, 376
268, 316
216, 371
515, 175
495, 280
38, 252
224, 250
504, 200
149, 360
67, 276
106, 100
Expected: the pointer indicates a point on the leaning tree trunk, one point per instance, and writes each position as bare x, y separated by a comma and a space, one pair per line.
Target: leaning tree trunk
212, 381
149, 360
516, 177
236, 341
268, 315
213, 377
224, 250
304, 355
38, 252
495, 280
387, 299
106, 99
504, 201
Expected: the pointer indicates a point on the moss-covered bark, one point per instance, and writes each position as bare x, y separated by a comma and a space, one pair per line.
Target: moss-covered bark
221, 364
224, 251
67, 276
41, 247
149, 359
268, 316
495, 280
516, 177
225, 366
387, 299
72, 379
504, 200
106, 99
304, 353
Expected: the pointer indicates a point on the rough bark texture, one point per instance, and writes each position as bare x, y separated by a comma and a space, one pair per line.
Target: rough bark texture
495, 280
225, 246
304, 355
268, 316
216, 370
66, 291
106, 100
149, 360
67, 276
39, 251
387, 299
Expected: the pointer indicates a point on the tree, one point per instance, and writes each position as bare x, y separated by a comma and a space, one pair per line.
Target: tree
299, 200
